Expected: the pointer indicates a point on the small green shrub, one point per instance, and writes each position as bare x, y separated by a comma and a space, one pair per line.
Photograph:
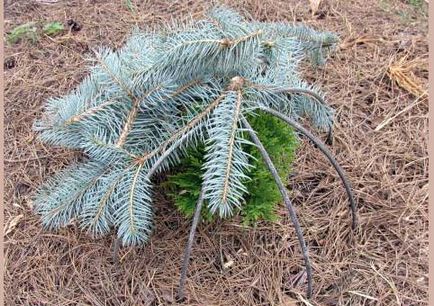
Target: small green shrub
263, 195
53, 28
27, 31
184, 185
31, 31
281, 143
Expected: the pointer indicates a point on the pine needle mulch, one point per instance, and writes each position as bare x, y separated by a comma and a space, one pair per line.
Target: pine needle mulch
376, 80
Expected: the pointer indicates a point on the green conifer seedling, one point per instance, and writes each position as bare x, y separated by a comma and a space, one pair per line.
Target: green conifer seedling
262, 195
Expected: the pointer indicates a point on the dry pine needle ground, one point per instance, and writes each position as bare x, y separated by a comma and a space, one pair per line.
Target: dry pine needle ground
376, 81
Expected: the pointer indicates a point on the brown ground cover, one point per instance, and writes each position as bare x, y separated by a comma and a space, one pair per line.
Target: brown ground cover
376, 80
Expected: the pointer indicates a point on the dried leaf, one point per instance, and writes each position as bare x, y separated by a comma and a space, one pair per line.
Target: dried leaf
12, 224
314, 6
228, 264
288, 301
402, 72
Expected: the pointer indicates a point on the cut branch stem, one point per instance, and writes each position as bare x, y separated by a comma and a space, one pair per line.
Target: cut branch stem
187, 252
284, 192
327, 153
116, 246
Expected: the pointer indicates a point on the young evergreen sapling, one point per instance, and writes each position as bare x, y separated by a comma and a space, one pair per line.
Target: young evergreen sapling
262, 195
142, 108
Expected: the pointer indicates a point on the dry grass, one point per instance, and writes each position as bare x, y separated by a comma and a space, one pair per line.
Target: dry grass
383, 263
402, 72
